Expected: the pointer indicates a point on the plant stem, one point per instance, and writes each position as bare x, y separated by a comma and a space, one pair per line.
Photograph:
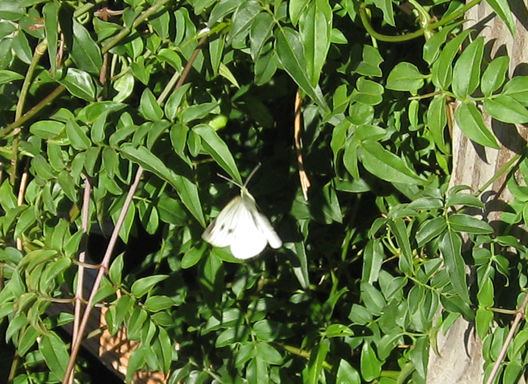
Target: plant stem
126, 30
105, 263
412, 35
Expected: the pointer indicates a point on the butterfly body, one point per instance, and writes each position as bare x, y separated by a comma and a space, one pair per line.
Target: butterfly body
241, 227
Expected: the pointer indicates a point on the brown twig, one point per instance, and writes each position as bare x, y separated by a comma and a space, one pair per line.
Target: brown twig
20, 199
76, 343
85, 220
297, 129
515, 324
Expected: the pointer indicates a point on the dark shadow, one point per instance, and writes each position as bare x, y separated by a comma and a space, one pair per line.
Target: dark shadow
521, 70
481, 24
519, 10
508, 136
481, 152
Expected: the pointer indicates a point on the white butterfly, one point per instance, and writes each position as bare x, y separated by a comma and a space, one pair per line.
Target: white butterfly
242, 227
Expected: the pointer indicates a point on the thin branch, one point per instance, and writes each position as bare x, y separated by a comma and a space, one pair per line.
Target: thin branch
32, 112
76, 343
85, 222
126, 30
515, 324
412, 35
20, 200
297, 129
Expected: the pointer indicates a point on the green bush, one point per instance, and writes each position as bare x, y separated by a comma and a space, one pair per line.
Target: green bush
122, 117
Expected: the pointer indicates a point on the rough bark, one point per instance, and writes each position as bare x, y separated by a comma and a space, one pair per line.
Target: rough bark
460, 360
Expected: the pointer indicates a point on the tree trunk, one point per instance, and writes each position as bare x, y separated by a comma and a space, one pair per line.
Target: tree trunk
460, 351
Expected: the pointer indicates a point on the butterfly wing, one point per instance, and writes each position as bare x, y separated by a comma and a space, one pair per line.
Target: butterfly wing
242, 227
221, 231
267, 230
248, 240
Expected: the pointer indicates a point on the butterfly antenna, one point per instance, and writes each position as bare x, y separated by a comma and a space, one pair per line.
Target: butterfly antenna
252, 173
247, 180
228, 179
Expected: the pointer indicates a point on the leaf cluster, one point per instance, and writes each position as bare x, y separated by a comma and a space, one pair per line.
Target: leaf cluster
374, 264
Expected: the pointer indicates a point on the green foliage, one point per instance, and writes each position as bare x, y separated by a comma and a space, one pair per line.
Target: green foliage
373, 263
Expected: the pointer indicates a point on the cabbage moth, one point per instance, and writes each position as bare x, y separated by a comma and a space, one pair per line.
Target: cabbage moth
241, 227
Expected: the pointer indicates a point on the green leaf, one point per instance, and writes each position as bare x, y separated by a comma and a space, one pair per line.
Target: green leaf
466, 72
405, 77
507, 109
165, 349
47, 129
136, 361
50, 11
79, 83
158, 303
315, 364
370, 65
430, 230
301, 269
502, 9
494, 75
373, 299
442, 71
431, 48
437, 120
260, 33
7, 76
85, 51
367, 92
518, 89
25, 220
55, 354
220, 10
174, 101
123, 307
106, 289
198, 111
124, 86
116, 270
186, 189
218, 149
225, 72
338, 330
11, 10
21, 48
513, 372
148, 106
469, 224
372, 261
346, 374
399, 230
386, 8
451, 248
289, 51
243, 18
369, 363
315, 27
471, 123
386, 165
485, 295
8, 199
350, 158
15, 325
142, 286
296, 8
265, 68
267, 353
77, 135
